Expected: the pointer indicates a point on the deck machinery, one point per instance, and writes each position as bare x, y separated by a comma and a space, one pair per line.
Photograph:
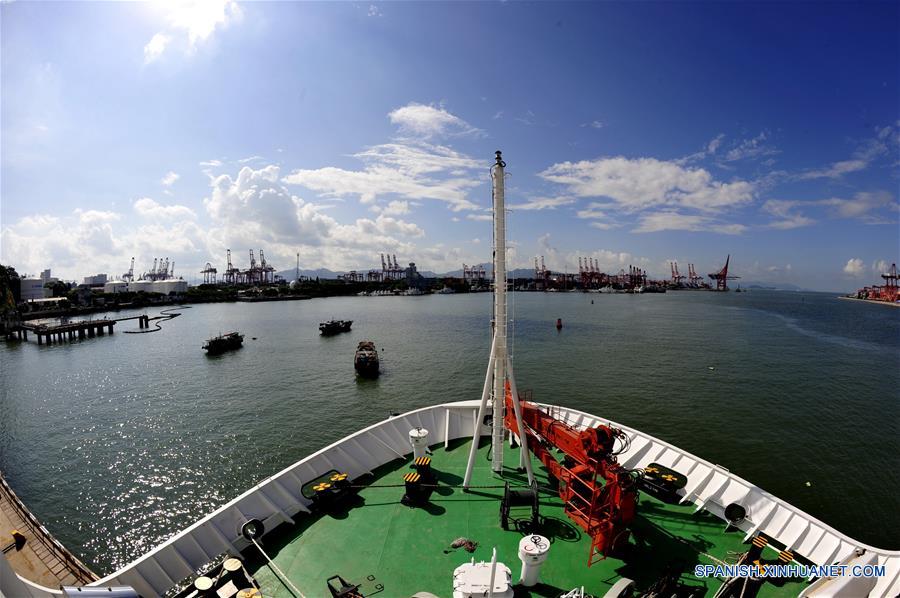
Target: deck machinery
600, 495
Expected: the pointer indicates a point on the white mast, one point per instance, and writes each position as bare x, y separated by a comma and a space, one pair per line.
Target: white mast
500, 321
499, 368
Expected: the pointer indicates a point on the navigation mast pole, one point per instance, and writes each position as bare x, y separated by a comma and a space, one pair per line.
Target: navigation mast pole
499, 314
499, 370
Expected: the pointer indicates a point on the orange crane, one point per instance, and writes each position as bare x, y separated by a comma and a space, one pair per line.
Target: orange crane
603, 509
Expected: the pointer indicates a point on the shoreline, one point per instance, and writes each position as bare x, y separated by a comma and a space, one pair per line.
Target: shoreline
869, 301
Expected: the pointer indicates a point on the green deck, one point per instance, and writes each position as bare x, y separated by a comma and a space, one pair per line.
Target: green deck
406, 550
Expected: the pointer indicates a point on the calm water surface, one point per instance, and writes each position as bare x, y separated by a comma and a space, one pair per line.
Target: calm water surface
118, 442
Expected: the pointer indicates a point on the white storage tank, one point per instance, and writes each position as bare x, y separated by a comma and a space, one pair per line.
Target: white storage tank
170, 285
142, 285
115, 286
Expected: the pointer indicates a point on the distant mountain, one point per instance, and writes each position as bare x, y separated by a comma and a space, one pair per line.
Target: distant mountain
771, 286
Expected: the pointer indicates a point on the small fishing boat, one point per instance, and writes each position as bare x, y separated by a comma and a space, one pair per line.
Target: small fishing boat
366, 359
224, 342
335, 327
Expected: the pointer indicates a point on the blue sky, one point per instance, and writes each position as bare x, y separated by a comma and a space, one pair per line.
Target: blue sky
635, 133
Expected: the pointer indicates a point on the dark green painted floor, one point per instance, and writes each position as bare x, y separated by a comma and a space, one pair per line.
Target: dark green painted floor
381, 543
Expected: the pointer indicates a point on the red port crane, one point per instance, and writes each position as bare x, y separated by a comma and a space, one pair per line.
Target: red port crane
603, 509
721, 277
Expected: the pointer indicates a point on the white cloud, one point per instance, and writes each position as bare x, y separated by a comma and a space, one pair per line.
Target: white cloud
426, 121
862, 206
211, 163
749, 148
542, 203
374, 11
854, 267
867, 152
880, 267
594, 124
637, 184
149, 208
672, 220
396, 208
480, 217
714, 144
155, 47
836, 170
191, 22
784, 210
596, 213
412, 170
169, 179
250, 159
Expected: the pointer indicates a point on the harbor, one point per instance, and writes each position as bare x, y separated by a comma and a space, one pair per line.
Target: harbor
175, 464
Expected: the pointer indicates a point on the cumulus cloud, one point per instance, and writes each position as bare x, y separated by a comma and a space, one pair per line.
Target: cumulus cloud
149, 208
637, 184
191, 22
854, 267
374, 11
427, 120
97, 240
256, 209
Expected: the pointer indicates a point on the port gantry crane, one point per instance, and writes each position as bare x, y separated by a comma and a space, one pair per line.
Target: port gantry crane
722, 277
603, 510
129, 276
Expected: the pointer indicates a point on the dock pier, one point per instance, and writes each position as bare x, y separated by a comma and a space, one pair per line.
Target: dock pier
62, 332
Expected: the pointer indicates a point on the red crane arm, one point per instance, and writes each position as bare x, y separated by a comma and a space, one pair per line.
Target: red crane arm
603, 510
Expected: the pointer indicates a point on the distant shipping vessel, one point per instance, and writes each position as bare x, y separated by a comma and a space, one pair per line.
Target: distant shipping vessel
415, 505
225, 342
366, 359
335, 327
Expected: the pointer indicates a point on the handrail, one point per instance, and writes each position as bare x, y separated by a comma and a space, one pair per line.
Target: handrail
78, 569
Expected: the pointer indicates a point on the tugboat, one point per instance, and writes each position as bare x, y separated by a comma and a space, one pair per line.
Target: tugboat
335, 327
225, 342
366, 359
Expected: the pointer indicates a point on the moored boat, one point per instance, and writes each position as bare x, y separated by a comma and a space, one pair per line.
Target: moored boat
335, 327
366, 359
223, 342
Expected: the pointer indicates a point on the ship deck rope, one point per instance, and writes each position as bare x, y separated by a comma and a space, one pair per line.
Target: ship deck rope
278, 572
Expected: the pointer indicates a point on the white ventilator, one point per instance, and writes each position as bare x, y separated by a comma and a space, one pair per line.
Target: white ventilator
533, 551
418, 438
499, 370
